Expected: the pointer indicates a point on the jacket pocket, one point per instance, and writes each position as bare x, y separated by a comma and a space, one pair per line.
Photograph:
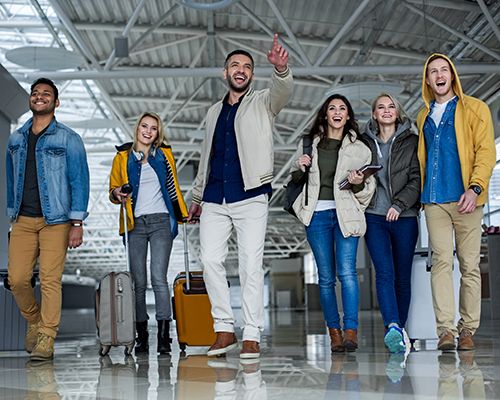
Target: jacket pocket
13, 149
55, 158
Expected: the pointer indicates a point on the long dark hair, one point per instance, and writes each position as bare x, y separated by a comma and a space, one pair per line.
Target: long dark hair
320, 125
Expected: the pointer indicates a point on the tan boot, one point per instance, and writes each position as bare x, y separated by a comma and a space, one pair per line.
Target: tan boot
44, 348
351, 339
31, 336
337, 342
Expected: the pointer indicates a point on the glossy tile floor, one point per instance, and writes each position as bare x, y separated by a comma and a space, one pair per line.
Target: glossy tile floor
296, 364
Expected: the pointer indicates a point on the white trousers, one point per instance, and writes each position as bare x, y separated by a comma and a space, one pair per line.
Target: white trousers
249, 219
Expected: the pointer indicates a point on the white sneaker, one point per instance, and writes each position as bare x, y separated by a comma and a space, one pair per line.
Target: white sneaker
407, 342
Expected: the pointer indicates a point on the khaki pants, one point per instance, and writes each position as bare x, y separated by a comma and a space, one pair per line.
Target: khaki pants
442, 221
249, 219
32, 238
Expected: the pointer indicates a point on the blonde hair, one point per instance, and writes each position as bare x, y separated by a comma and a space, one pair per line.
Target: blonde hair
161, 135
399, 108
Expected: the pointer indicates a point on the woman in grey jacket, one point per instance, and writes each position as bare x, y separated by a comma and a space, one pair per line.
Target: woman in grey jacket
334, 218
392, 227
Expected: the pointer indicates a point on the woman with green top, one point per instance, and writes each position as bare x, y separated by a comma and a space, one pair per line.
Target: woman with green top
334, 218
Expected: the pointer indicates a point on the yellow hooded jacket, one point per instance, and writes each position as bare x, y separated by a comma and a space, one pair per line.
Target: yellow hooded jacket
119, 177
473, 130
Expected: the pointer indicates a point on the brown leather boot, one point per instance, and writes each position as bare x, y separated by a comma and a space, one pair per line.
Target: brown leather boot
351, 339
336, 340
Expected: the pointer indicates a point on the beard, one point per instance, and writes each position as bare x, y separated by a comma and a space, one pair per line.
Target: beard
235, 87
48, 110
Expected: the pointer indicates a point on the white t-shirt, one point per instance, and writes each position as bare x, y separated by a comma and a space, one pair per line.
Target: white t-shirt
323, 205
149, 199
438, 111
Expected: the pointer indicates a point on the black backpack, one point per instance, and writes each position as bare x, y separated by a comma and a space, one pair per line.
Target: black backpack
293, 189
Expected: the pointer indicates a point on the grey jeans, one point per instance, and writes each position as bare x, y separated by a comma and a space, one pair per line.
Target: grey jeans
155, 230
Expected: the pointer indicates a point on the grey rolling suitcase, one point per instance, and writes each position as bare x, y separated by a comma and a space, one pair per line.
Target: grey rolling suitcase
115, 307
13, 327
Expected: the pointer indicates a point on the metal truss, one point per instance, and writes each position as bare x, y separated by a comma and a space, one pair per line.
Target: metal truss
197, 86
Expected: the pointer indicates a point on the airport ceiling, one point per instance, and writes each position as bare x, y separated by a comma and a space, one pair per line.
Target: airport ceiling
114, 59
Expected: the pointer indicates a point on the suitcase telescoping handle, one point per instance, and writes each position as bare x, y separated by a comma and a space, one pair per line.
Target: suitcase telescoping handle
126, 188
186, 254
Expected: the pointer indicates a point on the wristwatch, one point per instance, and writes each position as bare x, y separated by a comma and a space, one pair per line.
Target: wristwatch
476, 189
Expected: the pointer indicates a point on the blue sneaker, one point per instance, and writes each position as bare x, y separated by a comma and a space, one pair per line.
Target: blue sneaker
394, 340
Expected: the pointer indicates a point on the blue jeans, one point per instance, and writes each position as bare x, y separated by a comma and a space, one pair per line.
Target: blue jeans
392, 246
335, 255
155, 230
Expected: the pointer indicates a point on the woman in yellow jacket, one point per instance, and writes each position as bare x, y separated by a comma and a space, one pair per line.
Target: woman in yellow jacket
154, 208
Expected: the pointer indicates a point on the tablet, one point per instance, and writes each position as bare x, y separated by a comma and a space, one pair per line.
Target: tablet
367, 170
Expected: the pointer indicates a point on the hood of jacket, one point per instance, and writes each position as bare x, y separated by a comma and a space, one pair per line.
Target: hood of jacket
427, 93
371, 129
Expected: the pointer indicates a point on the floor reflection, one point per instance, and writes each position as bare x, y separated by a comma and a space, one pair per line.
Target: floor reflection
296, 363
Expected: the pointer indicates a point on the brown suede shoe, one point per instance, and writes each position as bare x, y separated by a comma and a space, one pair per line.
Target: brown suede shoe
31, 336
224, 342
44, 348
465, 342
336, 340
250, 349
446, 341
351, 340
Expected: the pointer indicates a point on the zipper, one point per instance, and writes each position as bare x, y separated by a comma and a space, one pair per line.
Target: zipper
389, 159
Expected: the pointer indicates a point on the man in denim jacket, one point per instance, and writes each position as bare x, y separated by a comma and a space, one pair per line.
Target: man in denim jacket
47, 198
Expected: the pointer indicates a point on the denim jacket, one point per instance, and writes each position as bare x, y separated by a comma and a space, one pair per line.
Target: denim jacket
442, 155
62, 172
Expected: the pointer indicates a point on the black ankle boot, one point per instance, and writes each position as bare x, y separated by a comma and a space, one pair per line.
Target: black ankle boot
141, 341
164, 337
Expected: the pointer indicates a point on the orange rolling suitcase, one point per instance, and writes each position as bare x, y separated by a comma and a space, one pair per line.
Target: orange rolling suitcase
192, 309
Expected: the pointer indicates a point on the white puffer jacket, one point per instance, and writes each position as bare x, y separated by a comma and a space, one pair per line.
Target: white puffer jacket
350, 206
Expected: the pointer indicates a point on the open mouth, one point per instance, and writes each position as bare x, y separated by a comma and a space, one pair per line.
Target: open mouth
240, 78
337, 119
440, 84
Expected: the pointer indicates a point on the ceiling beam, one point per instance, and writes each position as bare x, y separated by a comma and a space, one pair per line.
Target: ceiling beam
453, 31
489, 18
343, 30
147, 72
232, 34
126, 31
459, 5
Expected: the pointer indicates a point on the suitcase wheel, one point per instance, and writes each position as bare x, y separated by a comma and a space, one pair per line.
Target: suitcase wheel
103, 350
182, 346
128, 350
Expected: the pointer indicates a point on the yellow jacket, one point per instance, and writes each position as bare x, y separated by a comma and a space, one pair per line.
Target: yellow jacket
119, 176
474, 133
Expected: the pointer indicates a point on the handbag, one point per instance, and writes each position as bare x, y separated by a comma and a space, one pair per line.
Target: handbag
292, 188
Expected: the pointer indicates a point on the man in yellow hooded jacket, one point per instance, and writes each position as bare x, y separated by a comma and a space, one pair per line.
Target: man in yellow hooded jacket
457, 154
